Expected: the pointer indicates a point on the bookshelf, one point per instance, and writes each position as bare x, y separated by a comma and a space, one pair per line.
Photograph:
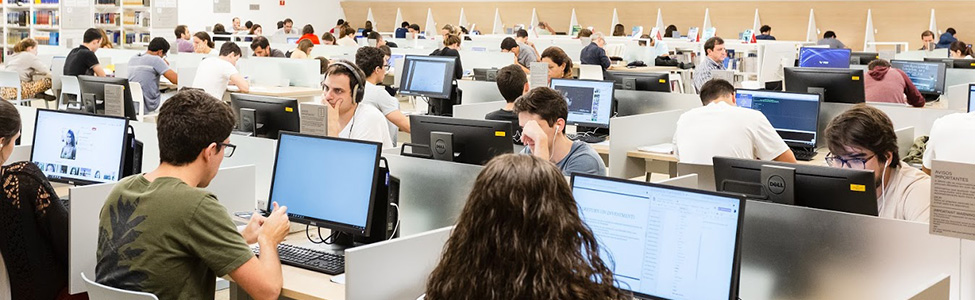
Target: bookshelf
127, 22
39, 19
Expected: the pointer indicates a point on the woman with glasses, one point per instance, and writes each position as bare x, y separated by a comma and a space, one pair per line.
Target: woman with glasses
863, 138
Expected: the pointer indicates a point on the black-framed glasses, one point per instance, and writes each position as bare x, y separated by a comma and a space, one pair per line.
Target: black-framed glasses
859, 163
228, 149
385, 67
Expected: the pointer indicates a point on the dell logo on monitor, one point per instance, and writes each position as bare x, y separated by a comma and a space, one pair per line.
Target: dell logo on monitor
440, 146
776, 184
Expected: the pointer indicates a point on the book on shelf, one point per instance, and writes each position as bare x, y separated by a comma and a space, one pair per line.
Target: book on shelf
46, 1
107, 19
17, 18
46, 17
136, 18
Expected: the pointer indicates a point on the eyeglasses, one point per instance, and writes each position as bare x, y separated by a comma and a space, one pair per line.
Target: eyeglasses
229, 149
385, 67
859, 163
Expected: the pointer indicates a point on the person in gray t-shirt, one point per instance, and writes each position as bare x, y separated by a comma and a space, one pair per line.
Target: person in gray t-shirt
542, 113
829, 39
146, 68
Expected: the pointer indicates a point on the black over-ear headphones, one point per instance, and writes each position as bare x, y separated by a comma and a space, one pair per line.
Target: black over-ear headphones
359, 88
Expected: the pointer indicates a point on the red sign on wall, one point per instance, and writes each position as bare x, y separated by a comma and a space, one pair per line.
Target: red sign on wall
281, 2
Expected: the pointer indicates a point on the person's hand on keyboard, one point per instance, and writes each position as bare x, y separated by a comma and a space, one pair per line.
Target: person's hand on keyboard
275, 228
253, 228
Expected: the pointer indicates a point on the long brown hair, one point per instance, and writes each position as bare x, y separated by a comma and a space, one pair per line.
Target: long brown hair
559, 58
520, 237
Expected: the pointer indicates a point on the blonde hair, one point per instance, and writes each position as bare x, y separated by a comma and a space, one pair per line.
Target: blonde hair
305, 45
24, 44
106, 42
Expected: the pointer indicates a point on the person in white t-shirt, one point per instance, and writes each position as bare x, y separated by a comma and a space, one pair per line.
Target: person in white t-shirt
721, 128
344, 91
374, 63
951, 140
863, 138
215, 73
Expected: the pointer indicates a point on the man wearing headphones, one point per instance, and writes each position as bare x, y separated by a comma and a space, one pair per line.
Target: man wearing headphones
542, 113
344, 89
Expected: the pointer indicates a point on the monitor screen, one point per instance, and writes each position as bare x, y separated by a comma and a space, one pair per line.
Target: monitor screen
971, 97
795, 116
293, 40
428, 76
928, 77
325, 182
664, 242
590, 101
824, 58
79, 148
393, 58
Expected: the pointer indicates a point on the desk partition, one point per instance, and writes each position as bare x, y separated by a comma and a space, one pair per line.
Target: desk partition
959, 76
432, 192
477, 111
629, 133
331, 51
479, 91
630, 103
956, 97
485, 60
394, 269
901, 115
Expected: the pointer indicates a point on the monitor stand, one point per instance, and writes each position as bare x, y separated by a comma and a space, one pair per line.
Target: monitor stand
779, 183
343, 240
445, 107
442, 145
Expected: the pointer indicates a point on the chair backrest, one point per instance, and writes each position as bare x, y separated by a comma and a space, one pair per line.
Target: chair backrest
592, 72
57, 70
138, 98
69, 86
97, 291
122, 70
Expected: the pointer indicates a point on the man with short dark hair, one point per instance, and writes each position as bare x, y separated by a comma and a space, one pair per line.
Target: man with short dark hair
374, 63
357, 121
714, 55
927, 38
215, 73
402, 30
521, 36
766, 33
287, 30
379, 40
542, 113
721, 128
262, 48
512, 83
82, 60
863, 138
594, 54
162, 233
947, 38
829, 39
524, 55
414, 32
146, 68
338, 27
183, 43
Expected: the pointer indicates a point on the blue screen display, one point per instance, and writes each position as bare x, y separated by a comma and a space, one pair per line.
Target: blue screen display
824, 58
928, 77
794, 116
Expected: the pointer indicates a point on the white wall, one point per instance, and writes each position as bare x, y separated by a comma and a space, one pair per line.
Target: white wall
322, 14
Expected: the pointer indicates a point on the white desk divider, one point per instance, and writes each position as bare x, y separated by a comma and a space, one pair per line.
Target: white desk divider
260, 153
187, 60
408, 51
86, 205
20, 153
705, 174
956, 97
330, 51
629, 133
685, 181
477, 111
591, 72
430, 199
227, 186
185, 76
28, 115
955, 77
394, 269
937, 289
905, 139
479, 91
901, 115
967, 266
485, 60
642, 102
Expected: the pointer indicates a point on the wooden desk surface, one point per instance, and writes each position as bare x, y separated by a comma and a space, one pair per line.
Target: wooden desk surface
818, 160
281, 91
641, 69
304, 284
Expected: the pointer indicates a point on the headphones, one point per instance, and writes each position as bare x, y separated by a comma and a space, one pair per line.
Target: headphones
359, 88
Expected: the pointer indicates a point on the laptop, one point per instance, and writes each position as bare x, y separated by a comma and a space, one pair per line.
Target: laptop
664, 242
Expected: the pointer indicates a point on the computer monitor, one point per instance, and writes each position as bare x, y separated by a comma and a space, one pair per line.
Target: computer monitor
427, 76
836, 85
971, 97
292, 40
928, 77
460, 140
590, 101
484, 74
273, 114
957, 63
96, 85
795, 116
393, 58
326, 182
664, 242
824, 58
651, 82
837, 189
863, 58
79, 149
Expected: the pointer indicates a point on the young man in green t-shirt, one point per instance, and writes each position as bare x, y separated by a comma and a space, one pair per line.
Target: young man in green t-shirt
161, 233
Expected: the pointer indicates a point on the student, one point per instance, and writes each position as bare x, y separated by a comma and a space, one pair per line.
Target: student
660, 48
220, 33
447, 30
82, 60
927, 37
559, 63
584, 33
863, 138
521, 36
544, 29
829, 39
512, 83
671, 31
521, 230
946, 39
374, 63
720, 128
304, 49
619, 30
524, 56
106, 40
347, 37
255, 30
541, 113
594, 54
414, 32
308, 33
202, 43
380, 41
345, 86
766, 33
145, 68
287, 29
262, 48
183, 43
323, 63
951, 140
280, 24
959, 49
402, 30
215, 73
452, 49
888, 84
25, 62
236, 25
34, 239
248, 26
715, 53
162, 233
338, 26
366, 30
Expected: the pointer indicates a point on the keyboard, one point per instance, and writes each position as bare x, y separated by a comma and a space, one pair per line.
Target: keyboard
591, 139
318, 261
804, 154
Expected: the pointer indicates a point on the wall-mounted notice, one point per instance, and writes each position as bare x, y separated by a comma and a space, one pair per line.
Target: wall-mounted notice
114, 100
221, 6
76, 14
953, 199
313, 118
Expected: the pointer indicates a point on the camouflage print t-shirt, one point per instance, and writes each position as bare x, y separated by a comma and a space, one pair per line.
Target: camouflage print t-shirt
166, 238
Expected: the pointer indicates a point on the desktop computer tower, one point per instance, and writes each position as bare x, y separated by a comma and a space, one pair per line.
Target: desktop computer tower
384, 215
133, 155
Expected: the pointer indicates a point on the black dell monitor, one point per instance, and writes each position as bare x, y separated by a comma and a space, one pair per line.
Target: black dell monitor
95, 85
326, 182
78, 148
956, 63
651, 82
836, 85
928, 77
483, 74
837, 189
460, 140
431, 77
271, 114
863, 58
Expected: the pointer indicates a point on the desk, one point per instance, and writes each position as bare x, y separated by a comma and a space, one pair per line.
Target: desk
299, 283
641, 69
285, 91
651, 158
